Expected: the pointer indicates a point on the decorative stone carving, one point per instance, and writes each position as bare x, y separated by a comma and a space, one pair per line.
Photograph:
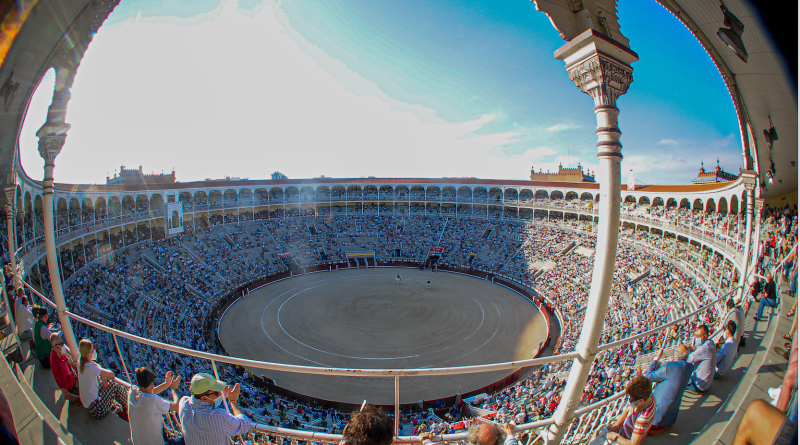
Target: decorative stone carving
11, 197
759, 205
573, 17
50, 146
602, 78
749, 179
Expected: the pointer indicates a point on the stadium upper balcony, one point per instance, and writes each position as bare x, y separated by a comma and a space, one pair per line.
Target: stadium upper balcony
86, 212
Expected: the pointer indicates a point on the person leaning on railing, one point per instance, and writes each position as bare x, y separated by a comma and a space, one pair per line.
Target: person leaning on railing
728, 352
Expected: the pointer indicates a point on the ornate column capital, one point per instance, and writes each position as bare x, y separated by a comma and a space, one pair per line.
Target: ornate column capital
11, 195
11, 190
599, 66
759, 204
602, 78
51, 141
749, 179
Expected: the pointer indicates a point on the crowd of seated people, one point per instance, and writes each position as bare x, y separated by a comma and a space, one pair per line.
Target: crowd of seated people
162, 289
724, 226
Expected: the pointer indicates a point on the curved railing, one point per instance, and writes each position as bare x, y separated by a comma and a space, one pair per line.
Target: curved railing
396, 373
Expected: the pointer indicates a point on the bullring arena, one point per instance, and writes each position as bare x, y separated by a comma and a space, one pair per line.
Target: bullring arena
580, 290
362, 318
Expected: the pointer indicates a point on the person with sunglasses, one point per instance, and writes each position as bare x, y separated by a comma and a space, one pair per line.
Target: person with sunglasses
64, 369
630, 427
205, 420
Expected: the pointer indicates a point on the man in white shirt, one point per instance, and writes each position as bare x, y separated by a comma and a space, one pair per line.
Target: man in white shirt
146, 408
704, 359
24, 319
727, 354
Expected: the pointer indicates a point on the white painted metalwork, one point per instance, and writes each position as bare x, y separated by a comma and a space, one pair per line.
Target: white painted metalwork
397, 373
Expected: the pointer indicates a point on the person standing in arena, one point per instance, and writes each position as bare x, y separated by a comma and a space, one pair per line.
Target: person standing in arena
429, 283
205, 421
398, 279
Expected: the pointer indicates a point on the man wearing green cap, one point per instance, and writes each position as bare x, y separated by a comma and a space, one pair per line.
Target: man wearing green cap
204, 418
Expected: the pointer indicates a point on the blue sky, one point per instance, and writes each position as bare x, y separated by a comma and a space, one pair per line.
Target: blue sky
346, 88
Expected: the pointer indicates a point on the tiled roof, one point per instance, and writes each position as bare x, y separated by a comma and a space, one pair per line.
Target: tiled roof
265, 183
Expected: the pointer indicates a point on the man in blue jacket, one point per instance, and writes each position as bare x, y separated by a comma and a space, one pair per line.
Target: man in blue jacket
671, 378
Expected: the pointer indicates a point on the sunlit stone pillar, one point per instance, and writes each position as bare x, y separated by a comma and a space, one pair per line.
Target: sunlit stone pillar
51, 140
749, 178
600, 67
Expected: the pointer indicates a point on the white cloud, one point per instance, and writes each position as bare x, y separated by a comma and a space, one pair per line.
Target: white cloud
245, 96
539, 152
564, 126
668, 142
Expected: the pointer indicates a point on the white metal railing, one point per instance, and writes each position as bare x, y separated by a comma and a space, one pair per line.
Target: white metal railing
396, 373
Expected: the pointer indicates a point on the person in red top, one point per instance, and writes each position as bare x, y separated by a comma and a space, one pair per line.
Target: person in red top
62, 366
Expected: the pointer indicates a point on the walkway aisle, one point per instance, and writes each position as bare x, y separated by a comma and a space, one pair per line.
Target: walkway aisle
729, 396
108, 431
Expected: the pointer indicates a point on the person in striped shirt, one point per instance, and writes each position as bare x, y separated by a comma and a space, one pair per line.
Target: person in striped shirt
630, 427
205, 421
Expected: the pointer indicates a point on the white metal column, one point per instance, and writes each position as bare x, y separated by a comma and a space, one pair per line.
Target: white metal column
600, 68
11, 192
51, 140
750, 179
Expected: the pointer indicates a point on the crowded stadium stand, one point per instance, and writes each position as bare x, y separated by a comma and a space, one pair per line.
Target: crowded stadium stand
627, 278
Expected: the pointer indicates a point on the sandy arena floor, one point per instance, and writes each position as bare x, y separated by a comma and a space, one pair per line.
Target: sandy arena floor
363, 319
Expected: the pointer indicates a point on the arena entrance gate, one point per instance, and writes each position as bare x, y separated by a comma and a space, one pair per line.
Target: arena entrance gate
288, 261
360, 259
433, 256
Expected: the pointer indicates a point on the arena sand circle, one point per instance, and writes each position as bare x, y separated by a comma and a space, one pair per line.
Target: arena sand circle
361, 318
